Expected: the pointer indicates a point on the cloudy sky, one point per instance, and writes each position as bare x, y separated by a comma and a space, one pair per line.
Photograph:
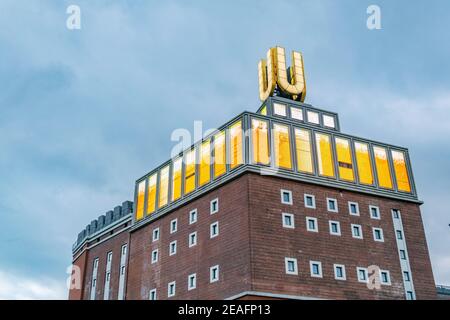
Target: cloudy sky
84, 113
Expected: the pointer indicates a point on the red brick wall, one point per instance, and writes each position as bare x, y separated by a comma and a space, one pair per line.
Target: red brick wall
80, 262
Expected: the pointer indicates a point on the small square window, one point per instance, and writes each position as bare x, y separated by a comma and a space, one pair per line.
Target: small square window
155, 256
290, 265
316, 269
374, 212
173, 248
399, 234
152, 295
332, 205
339, 272
378, 234
385, 277
310, 201
288, 220
396, 213
311, 224
214, 229
286, 196
214, 206
357, 231
328, 121
402, 254
335, 228
214, 274
296, 113
313, 117
409, 295
362, 274
173, 225
192, 281
193, 216
406, 276
122, 270
353, 208
155, 236
193, 239
171, 289
279, 109
109, 256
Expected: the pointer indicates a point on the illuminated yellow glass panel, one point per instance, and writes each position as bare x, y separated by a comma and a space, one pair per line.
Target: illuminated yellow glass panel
189, 181
163, 186
344, 158
324, 155
303, 150
140, 200
264, 111
176, 179
401, 173
382, 165
205, 163
151, 198
282, 146
260, 140
363, 162
236, 144
219, 155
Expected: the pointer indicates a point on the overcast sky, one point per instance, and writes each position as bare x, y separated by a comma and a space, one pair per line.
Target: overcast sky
85, 113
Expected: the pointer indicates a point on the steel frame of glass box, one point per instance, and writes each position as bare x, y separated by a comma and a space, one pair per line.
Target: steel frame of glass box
248, 165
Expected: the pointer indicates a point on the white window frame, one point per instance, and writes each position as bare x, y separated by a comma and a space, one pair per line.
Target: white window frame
211, 228
366, 272
174, 283
153, 291
395, 213
402, 254
282, 192
193, 213
407, 279
312, 114
192, 287
344, 275
356, 204
286, 266
171, 253
291, 216
173, 223
300, 110
338, 233
155, 231
360, 231
211, 273
336, 209
311, 269
211, 206
377, 210
374, 229
315, 223
399, 232
313, 197
324, 121
409, 295
388, 283
284, 106
153, 259
190, 237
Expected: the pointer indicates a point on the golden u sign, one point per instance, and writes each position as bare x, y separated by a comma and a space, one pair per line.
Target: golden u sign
274, 74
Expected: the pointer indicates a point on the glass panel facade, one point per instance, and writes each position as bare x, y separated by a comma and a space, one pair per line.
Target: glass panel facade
303, 150
328, 121
382, 165
163, 186
176, 179
260, 141
219, 155
279, 109
363, 162
236, 144
282, 146
151, 198
401, 173
324, 155
189, 180
296, 113
205, 163
140, 200
344, 158
313, 117
264, 111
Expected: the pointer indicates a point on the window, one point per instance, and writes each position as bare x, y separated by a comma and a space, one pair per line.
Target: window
290, 265
279, 109
324, 155
335, 228
152, 295
214, 229
260, 141
313, 117
357, 231
399, 234
214, 206
402, 254
311, 224
122, 270
171, 289
155, 236
339, 272
353, 208
109, 258
205, 163
310, 201
140, 200
263, 111
406, 276
214, 274
382, 166
316, 269
155, 256
378, 234
374, 212
303, 150
193, 216
236, 144
288, 220
189, 171
344, 159
282, 146
219, 154
173, 225
151, 196
286, 196
401, 173
296, 113
363, 162
193, 239
163, 186
192, 281
409, 295
173, 248
385, 277
362, 275
124, 250
328, 121
396, 213
332, 205
176, 178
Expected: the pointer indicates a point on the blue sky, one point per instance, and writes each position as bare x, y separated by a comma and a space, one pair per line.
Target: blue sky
84, 113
